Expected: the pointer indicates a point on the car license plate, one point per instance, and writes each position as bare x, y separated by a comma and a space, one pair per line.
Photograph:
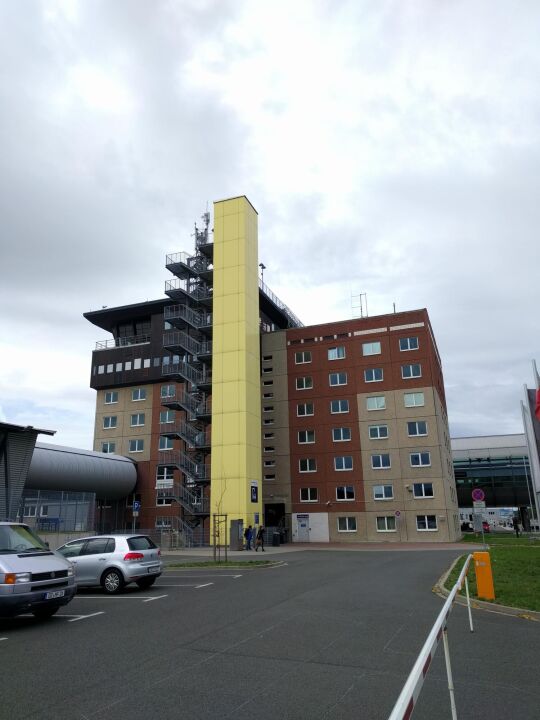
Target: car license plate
54, 594
154, 569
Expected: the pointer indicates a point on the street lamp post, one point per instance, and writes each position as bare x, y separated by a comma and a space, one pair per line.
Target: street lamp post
263, 268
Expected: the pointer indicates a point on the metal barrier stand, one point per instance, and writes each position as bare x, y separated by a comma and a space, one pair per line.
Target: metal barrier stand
411, 690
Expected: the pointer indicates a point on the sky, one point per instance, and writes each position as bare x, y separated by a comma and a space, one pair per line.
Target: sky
391, 148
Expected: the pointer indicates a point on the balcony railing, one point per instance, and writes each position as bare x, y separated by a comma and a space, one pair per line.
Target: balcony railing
122, 342
295, 322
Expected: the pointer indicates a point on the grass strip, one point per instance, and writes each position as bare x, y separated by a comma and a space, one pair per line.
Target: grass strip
493, 539
516, 576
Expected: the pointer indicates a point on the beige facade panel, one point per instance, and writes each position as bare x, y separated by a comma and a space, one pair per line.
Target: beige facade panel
344, 536
381, 475
127, 405
372, 416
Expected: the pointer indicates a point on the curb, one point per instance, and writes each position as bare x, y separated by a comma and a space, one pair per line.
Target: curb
522, 613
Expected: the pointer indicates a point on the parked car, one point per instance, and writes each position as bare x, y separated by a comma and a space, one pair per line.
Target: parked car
33, 579
113, 561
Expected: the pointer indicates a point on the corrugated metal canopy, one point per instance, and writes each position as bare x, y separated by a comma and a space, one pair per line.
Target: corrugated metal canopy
54, 467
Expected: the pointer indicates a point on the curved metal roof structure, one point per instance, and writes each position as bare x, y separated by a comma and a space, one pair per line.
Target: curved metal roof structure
54, 467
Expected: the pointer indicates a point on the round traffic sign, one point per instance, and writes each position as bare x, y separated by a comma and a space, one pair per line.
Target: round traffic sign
478, 494
397, 513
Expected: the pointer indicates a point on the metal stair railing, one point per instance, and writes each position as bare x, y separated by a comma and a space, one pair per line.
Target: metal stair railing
195, 318
188, 372
178, 338
196, 263
197, 471
198, 405
192, 502
192, 435
196, 291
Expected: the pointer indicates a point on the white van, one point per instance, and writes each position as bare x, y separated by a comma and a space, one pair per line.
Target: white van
33, 579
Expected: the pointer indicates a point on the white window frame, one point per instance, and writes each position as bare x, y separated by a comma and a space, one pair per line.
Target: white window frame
139, 392
420, 463
427, 529
381, 467
167, 391
166, 440
167, 414
340, 430
301, 383
269, 463
368, 348
408, 339
345, 489
29, 511
378, 436
338, 377
112, 393
376, 398
370, 375
108, 445
306, 414
404, 376
334, 353
310, 491
423, 495
137, 422
110, 425
386, 518
384, 497
340, 411
308, 462
306, 434
137, 449
350, 523
302, 354
415, 423
343, 460
413, 396
164, 477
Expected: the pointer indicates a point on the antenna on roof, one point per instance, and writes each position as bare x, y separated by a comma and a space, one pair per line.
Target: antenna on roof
359, 307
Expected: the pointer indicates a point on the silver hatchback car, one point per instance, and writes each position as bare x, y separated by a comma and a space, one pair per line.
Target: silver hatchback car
113, 561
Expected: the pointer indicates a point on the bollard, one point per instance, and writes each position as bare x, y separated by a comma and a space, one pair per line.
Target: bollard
484, 576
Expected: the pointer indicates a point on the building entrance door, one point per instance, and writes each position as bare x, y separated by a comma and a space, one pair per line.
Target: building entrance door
303, 528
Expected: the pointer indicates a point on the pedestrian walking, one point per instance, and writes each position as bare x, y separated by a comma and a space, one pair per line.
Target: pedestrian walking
259, 540
515, 523
248, 535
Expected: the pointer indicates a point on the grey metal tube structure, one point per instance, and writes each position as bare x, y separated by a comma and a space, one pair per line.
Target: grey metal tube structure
54, 467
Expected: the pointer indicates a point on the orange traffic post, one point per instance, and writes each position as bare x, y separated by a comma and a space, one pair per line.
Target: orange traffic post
484, 576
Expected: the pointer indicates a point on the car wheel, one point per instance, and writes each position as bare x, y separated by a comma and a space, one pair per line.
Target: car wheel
112, 581
146, 582
45, 613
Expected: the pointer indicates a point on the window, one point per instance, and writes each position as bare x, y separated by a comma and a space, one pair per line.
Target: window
269, 448
138, 394
304, 383
386, 523
343, 462
339, 406
108, 447
300, 358
380, 462
341, 434
411, 371
414, 399
307, 465
266, 358
419, 427
44, 511
110, 421
426, 522
136, 445
304, 409
164, 477
336, 353
268, 370
168, 391
308, 494
344, 492
165, 443
383, 492
111, 397
268, 421
268, 382
29, 511
164, 500
137, 420
269, 463
376, 402
268, 408
373, 375
378, 432
166, 416
268, 436
110, 368
423, 490
101, 369
269, 477
118, 367
372, 348
99, 546
338, 378
268, 396
128, 365
421, 459
306, 436
137, 363
163, 523
346, 524
408, 343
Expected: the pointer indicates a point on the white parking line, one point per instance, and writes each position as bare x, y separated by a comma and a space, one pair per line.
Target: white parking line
199, 576
201, 586
193, 585
75, 618
155, 597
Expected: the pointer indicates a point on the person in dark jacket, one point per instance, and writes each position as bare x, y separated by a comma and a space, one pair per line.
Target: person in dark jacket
515, 523
248, 535
259, 540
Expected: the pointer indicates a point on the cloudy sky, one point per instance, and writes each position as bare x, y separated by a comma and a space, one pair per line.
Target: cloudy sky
391, 148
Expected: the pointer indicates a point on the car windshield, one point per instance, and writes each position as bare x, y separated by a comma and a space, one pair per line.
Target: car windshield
19, 538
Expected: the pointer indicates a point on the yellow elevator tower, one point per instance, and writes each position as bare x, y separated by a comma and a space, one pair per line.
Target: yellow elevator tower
236, 402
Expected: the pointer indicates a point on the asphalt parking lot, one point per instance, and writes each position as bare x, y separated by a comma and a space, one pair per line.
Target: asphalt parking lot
322, 634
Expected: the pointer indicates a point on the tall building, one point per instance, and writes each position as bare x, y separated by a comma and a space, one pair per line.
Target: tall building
233, 409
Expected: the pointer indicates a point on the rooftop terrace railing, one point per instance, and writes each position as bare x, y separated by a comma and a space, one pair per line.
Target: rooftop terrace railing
122, 342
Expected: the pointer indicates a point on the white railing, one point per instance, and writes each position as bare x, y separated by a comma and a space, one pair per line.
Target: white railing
411, 690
